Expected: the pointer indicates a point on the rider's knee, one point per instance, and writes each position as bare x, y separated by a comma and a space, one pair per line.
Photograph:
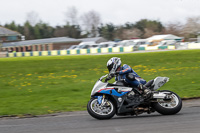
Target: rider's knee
130, 77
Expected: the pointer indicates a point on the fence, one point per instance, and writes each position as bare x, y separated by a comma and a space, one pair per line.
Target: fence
95, 51
3, 54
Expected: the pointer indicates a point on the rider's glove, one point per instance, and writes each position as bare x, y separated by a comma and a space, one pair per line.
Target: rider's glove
114, 73
106, 79
117, 72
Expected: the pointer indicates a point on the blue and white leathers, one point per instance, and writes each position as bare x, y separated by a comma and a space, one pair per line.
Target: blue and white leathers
126, 69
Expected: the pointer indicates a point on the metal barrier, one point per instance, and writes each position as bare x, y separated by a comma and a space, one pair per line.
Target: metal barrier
97, 50
3, 54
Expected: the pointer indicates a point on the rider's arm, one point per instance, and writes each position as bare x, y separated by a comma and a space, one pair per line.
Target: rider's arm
126, 69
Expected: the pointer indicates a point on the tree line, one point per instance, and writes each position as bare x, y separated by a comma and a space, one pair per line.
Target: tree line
89, 25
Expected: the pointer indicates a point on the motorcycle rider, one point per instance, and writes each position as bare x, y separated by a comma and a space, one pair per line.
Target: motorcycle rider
127, 74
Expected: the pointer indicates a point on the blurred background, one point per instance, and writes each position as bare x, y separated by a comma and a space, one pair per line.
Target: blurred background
112, 20
49, 84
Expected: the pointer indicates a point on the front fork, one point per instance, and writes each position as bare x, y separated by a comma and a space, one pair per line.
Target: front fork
101, 100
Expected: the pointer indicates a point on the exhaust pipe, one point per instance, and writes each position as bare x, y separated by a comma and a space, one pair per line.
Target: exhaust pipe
159, 95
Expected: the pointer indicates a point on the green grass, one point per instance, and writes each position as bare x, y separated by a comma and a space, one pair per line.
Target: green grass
41, 85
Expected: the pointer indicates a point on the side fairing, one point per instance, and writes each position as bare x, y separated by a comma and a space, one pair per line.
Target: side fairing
112, 91
98, 86
101, 87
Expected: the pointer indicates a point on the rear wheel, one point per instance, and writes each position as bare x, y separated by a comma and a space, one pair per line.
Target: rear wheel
168, 106
105, 110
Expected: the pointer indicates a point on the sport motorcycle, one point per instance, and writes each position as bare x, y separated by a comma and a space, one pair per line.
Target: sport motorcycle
118, 98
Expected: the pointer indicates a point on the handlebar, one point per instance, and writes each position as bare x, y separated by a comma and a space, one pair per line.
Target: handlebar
108, 77
103, 77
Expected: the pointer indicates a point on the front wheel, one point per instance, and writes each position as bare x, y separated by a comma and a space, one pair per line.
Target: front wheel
170, 106
105, 110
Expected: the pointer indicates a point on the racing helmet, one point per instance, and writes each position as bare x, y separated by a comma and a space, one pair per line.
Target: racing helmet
113, 64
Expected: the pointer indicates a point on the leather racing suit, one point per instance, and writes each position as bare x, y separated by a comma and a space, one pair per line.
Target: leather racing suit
124, 71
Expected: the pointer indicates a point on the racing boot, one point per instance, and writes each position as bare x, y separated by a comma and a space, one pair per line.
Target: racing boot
145, 91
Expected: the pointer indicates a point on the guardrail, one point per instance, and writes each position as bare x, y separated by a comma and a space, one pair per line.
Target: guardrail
95, 51
3, 54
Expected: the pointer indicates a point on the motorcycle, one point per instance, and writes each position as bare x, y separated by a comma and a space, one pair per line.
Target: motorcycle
119, 98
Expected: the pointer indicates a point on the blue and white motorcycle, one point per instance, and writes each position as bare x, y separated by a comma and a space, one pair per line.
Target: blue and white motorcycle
118, 98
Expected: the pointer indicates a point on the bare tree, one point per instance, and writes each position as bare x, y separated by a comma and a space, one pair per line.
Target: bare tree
72, 15
91, 21
32, 17
149, 33
124, 34
192, 25
174, 28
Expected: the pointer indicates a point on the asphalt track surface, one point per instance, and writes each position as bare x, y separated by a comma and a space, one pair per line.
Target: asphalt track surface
187, 121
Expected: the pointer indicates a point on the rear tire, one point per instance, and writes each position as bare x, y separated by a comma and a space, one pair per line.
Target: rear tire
101, 112
168, 107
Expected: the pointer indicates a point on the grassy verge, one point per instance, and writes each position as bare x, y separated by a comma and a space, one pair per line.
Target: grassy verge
41, 85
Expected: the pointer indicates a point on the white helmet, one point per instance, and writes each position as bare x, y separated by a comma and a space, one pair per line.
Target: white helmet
113, 64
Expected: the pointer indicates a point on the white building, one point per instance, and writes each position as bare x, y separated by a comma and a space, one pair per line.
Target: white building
166, 37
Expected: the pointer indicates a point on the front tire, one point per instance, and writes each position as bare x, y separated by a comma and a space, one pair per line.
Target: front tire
168, 107
101, 112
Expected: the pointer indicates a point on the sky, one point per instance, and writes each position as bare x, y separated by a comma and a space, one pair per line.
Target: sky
111, 11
